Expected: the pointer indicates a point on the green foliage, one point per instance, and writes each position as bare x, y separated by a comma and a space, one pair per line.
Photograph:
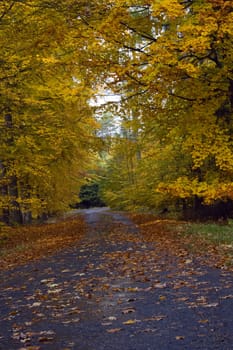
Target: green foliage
119, 177
89, 196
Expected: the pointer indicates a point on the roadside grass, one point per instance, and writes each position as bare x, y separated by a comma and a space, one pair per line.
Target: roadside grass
208, 239
212, 242
213, 232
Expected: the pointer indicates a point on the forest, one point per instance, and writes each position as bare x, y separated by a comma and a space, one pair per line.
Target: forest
165, 144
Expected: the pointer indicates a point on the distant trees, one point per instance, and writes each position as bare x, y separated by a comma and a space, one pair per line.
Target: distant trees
89, 196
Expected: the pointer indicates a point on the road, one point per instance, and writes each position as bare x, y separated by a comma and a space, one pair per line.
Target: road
113, 290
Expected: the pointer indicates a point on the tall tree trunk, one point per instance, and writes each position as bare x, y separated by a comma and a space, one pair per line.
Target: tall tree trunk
25, 208
5, 214
231, 93
15, 212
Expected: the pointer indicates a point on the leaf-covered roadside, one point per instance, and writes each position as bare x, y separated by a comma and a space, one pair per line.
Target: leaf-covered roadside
19, 245
117, 288
186, 239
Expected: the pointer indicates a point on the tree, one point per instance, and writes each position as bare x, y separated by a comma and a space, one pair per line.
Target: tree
119, 175
178, 68
171, 62
89, 196
48, 146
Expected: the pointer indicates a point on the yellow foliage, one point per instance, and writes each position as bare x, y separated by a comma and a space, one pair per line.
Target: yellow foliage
171, 62
51, 140
171, 8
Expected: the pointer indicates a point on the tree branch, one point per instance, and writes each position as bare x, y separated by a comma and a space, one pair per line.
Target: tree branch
7, 10
143, 35
183, 97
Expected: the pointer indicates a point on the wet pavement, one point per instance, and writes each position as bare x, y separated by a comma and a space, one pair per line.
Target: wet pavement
115, 291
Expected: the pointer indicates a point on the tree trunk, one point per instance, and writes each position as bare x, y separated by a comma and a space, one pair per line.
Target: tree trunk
5, 214
15, 212
11, 213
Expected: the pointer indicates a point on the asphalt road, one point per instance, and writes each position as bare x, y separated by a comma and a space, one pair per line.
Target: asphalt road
115, 291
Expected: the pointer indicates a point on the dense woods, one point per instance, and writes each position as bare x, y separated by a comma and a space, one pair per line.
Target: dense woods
171, 64
176, 77
46, 122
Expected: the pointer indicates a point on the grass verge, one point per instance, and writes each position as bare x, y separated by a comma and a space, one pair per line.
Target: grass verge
209, 238
212, 232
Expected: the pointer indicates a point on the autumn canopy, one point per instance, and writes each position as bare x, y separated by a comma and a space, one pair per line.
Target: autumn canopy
171, 63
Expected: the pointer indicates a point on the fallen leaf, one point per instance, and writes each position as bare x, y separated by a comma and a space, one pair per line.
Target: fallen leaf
160, 285
155, 318
45, 281
211, 305
180, 337
230, 296
54, 291
132, 289
112, 318
128, 311
182, 299
114, 330
47, 333
74, 320
129, 322
203, 321
36, 304
188, 261
131, 300
45, 339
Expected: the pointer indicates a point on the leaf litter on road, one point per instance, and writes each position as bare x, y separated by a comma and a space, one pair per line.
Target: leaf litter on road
119, 282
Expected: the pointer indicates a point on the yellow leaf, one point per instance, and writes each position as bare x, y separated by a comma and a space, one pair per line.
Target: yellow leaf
129, 322
180, 337
113, 330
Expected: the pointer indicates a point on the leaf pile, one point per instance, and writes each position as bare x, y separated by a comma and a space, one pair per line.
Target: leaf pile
19, 245
170, 236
